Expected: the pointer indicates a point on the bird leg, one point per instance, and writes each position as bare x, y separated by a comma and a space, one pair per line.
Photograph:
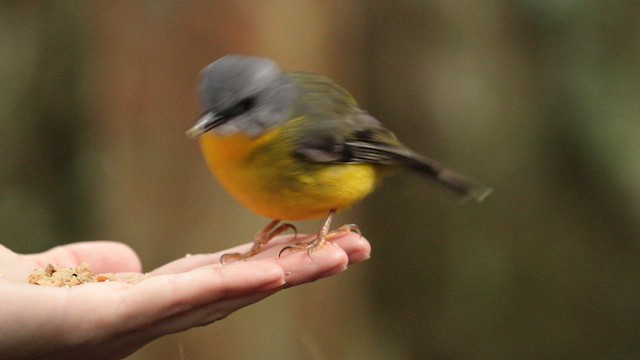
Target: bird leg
323, 236
260, 239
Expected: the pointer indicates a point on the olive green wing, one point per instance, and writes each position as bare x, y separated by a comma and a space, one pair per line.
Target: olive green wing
361, 139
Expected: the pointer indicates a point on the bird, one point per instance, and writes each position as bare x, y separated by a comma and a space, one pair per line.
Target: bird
296, 146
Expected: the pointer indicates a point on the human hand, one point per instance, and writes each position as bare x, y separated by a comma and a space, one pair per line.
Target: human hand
110, 320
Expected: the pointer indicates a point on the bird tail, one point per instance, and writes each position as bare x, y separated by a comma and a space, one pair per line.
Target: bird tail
395, 155
467, 187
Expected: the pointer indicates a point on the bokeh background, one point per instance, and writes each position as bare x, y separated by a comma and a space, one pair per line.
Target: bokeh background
539, 99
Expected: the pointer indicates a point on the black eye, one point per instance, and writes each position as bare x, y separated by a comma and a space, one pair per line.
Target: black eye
240, 107
247, 104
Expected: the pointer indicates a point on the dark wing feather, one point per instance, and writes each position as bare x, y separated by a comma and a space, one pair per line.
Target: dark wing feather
375, 145
364, 152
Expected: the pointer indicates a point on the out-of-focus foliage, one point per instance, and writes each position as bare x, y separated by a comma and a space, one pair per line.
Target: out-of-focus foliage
539, 99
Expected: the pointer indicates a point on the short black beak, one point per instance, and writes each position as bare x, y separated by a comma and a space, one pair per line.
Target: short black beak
207, 122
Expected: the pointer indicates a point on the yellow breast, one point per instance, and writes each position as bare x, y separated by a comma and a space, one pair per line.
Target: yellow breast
264, 176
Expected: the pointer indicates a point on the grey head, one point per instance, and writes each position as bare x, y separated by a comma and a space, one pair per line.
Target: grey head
243, 94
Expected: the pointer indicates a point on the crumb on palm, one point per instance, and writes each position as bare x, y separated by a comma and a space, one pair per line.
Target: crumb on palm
55, 276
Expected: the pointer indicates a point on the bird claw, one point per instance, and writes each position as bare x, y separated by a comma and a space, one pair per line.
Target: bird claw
346, 229
225, 258
321, 239
308, 246
263, 237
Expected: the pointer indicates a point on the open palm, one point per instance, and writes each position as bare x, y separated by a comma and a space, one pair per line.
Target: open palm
110, 320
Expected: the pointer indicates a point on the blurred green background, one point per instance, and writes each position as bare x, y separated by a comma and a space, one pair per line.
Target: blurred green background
539, 99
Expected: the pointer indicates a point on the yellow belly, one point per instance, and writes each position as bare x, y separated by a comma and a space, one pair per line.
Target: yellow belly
264, 177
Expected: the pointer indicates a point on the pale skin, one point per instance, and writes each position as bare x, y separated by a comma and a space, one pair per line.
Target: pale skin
110, 320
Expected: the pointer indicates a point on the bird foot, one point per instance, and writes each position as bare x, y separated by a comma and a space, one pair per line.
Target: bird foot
322, 238
262, 238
